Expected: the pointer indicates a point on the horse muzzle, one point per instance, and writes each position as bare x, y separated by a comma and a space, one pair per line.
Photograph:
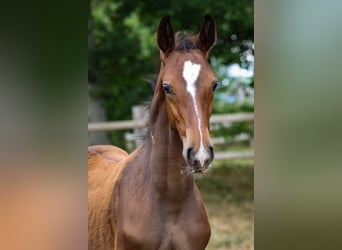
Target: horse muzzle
200, 160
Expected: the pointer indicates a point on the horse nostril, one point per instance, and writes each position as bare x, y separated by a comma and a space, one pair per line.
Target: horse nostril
211, 152
190, 154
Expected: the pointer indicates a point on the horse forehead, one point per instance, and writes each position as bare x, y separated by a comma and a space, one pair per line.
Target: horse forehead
186, 66
191, 72
193, 62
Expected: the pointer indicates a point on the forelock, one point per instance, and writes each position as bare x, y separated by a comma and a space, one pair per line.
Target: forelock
185, 41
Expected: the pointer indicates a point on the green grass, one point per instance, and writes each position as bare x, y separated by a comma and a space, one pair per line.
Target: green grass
228, 194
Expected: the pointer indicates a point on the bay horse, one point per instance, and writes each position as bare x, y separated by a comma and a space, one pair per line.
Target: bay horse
148, 199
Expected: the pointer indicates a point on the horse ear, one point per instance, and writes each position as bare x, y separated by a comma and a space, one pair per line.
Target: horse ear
165, 35
207, 35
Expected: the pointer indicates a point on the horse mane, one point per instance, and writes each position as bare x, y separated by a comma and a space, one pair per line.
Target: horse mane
185, 40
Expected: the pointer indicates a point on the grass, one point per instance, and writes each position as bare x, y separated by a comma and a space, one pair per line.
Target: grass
228, 194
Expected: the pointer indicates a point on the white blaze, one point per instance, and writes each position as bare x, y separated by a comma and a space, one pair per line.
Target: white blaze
190, 74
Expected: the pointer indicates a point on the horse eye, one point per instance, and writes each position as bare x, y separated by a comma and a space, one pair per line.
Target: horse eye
167, 88
216, 85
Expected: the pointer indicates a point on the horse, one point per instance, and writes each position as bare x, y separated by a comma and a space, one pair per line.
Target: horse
148, 199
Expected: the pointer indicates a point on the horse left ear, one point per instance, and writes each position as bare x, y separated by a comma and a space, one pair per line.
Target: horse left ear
207, 35
165, 36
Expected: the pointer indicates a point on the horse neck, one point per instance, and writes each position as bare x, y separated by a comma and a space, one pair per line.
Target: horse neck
166, 161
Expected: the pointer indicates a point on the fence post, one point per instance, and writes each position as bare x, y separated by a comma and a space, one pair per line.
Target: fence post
139, 113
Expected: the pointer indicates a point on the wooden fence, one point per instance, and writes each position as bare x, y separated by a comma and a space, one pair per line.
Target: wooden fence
140, 122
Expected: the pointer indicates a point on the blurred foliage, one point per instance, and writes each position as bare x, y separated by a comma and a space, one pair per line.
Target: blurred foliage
123, 50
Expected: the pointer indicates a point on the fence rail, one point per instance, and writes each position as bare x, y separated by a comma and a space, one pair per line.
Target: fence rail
234, 155
140, 122
133, 124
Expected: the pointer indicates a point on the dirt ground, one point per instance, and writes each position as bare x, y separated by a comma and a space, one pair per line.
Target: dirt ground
228, 196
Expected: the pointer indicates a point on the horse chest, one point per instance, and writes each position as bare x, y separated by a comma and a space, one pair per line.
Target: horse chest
187, 235
159, 231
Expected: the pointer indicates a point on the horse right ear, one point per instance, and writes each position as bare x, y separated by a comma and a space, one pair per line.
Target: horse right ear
165, 36
207, 35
